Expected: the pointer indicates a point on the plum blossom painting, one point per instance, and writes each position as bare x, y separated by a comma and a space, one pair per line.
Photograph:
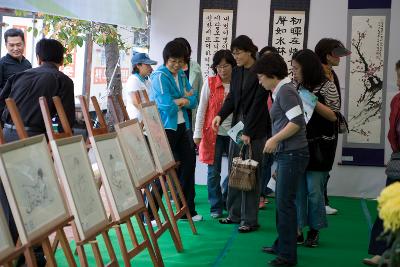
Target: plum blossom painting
366, 79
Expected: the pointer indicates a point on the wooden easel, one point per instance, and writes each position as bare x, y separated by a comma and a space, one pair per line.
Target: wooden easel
137, 247
167, 177
144, 188
43, 240
52, 135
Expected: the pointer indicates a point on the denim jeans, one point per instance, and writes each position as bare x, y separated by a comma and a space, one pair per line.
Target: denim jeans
267, 161
216, 196
311, 201
291, 166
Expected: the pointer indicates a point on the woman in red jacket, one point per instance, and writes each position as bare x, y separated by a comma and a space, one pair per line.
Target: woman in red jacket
212, 144
376, 247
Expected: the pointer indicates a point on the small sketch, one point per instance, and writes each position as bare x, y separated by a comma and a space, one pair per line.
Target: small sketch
86, 201
36, 193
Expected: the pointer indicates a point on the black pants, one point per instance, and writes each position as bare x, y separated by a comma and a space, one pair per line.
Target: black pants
378, 247
183, 149
11, 135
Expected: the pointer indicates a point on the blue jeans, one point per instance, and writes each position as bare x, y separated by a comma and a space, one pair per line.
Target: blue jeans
216, 196
311, 201
290, 170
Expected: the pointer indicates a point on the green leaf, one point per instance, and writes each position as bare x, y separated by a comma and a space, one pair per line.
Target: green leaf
35, 32
79, 40
29, 29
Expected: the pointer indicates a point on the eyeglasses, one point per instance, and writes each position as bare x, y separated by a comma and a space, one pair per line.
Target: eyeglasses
176, 61
222, 67
237, 52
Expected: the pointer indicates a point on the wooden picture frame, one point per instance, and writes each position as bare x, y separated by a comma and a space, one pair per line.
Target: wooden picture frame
122, 195
81, 192
163, 157
31, 185
7, 246
139, 158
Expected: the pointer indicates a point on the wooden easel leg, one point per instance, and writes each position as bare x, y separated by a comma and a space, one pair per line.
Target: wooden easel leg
152, 236
122, 245
175, 180
96, 252
175, 237
146, 240
66, 248
30, 258
79, 248
48, 252
110, 249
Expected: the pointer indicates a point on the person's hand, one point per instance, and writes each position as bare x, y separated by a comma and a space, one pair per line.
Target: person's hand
180, 102
190, 93
270, 146
197, 141
215, 123
245, 139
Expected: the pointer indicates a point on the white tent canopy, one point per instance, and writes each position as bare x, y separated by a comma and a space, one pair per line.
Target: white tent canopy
119, 12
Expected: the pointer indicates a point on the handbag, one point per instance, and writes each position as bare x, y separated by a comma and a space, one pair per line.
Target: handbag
342, 126
243, 172
393, 166
322, 153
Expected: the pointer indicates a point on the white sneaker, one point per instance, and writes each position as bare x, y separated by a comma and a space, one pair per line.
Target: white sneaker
153, 223
330, 211
197, 218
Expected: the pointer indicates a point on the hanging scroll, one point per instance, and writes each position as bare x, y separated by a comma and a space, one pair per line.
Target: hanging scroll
216, 35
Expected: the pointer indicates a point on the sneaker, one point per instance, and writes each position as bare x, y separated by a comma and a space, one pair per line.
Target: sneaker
330, 211
300, 239
153, 223
261, 204
216, 215
374, 261
312, 240
197, 218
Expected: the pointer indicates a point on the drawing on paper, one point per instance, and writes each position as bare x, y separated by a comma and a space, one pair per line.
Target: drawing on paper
366, 79
34, 185
118, 176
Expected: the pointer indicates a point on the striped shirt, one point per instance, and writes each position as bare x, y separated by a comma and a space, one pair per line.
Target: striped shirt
330, 94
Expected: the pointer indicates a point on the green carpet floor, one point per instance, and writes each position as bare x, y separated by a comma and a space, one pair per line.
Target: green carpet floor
344, 243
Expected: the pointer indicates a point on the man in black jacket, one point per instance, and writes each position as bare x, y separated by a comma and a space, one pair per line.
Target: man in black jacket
14, 61
247, 100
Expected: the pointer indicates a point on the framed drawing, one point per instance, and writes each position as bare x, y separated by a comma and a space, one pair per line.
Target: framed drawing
122, 194
6, 243
75, 172
32, 187
155, 132
137, 153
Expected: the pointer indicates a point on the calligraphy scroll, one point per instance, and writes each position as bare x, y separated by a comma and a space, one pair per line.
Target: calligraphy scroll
216, 35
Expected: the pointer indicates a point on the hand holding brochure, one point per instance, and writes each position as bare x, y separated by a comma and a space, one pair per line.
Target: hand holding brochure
309, 102
236, 132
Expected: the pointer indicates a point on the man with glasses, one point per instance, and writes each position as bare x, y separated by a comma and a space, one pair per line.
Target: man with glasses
14, 61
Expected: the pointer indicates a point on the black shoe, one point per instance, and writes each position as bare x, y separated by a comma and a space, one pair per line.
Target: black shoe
281, 262
300, 239
312, 240
268, 250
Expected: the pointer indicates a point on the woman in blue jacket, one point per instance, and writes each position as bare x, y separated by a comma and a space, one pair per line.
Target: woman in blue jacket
173, 95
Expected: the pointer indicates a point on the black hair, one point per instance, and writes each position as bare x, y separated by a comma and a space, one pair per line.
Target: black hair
243, 42
219, 56
272, 65
135, 68
267, 48
188, 47
311, 69
325, 47
174, 49
398, 65
50, 50
13, 32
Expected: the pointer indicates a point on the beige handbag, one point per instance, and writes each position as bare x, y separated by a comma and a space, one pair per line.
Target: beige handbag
243, 172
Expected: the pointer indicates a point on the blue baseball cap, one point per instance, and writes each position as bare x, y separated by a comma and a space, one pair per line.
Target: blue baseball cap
142, 58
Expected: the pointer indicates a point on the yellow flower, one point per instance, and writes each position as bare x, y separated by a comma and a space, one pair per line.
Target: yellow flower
390, 214
388, 193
